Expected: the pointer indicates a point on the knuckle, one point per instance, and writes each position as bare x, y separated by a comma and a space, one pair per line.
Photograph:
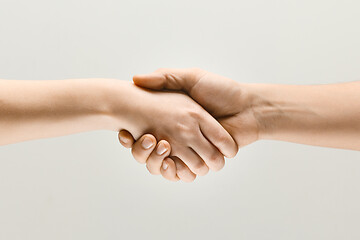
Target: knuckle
227, 145
216, 160
181, 169
171, 78
199, 167
184, 129
203, 170
188, 123
222, 138
214, 157
194, 113
184, 172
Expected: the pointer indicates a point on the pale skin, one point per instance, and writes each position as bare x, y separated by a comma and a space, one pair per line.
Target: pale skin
41, 109
319, 115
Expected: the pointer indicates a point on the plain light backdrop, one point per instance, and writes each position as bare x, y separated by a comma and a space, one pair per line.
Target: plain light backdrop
86, 186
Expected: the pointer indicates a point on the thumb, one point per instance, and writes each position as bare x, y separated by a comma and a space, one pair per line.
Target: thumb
171, 79
155, 80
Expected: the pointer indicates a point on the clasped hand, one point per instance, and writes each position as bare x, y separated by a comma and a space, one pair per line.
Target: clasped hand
184, 140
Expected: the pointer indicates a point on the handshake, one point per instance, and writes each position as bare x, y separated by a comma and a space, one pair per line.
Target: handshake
195, 118
185, 121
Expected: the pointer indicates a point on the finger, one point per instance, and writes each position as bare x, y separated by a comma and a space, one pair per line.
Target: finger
182, 171
218, 136
192, 160
143, 147
167, 78
168, 170
125, 138
209, 153
156, 158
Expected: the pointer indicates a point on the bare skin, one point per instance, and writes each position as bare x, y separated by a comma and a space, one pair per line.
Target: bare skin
42, 109
319, 115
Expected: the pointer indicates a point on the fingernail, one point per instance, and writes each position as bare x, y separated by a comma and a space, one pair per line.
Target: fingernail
165, 166
161, 149
123, 139
147, 143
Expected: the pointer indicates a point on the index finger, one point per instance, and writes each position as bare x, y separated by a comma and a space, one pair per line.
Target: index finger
125, 138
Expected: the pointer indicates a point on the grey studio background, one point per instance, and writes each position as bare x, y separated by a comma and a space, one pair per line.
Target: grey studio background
86, 186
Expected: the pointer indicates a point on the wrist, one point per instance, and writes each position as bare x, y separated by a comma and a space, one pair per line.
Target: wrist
282, 111
91, 96
125, 106
267, 109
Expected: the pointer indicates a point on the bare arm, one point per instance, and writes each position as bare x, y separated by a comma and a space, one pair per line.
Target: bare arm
322, 115
41, 109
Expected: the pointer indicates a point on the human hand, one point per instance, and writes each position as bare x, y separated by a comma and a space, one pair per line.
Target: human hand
171, 167
194, 135
227, 100
293, 113
302, 114
224, 98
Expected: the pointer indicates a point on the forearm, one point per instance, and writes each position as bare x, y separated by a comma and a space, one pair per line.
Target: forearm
322, 115
41, 109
